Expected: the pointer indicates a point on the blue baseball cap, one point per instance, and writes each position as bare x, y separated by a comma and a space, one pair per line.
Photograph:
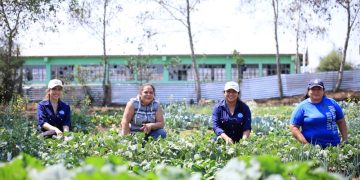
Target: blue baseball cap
316, 83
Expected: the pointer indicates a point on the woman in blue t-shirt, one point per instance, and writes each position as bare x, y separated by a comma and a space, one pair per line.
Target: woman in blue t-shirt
319, 118
144, 114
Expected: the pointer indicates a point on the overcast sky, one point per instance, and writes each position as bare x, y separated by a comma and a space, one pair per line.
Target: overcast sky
218, 28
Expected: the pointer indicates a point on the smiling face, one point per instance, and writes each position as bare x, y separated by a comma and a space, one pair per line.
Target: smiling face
231, 95
147, 94
316, 94
55, 93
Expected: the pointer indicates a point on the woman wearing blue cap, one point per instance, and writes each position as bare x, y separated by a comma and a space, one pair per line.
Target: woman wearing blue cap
319, 118
53, 114
231, 118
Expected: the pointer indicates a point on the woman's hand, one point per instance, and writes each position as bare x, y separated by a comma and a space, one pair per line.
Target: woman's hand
226, 138
146, 128
57, 131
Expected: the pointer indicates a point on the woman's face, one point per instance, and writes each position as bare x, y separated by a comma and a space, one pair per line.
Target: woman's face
147, 95
55, 93
231, 95
316, 94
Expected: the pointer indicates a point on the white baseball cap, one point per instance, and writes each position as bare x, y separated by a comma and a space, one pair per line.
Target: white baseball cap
232, 85
55, 82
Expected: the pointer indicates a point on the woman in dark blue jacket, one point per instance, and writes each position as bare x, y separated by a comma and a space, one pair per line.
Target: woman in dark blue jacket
231, 118
53, 114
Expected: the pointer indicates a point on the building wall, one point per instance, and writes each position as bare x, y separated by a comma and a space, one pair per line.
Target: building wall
256, 88
39, 70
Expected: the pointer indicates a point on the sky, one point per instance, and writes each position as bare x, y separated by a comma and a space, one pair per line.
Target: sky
218, 28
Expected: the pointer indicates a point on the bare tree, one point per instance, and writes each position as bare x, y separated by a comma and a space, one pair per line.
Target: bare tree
301, 20
275, 6
96, 16
351, 11
276, 14
182, 12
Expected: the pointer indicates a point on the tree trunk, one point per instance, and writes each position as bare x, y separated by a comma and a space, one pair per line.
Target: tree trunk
193, 58
342, 64
278, 72
106, 80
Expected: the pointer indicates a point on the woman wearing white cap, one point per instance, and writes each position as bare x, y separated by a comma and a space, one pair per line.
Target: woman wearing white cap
53, 114
231, 118
316, 119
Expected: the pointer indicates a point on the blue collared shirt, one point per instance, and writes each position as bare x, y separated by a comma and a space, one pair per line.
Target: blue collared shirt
46, 114
232, 125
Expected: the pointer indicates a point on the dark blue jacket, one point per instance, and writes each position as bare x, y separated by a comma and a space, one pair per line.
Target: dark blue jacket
232, 125
46, 114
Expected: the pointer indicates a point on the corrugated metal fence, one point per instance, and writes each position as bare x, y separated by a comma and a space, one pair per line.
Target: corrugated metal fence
256, 88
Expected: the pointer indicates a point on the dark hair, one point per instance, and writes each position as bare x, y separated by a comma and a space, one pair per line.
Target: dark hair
307, 92
141, 88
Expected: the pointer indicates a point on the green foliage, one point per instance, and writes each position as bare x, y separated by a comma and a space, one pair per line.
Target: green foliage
331, 62
8, 79
269, 152
17, 132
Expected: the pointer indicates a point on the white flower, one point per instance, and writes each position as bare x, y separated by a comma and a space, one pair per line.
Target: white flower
274, 177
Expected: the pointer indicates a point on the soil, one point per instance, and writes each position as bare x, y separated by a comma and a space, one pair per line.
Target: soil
338, 96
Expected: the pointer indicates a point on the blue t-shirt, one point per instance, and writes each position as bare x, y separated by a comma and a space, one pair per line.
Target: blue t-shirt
318, 121
46, 114
232, 125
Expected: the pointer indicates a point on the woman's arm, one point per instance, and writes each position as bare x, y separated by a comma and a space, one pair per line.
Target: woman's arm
297, 134
343, 129
48, 127
159, 122
128, 115
246, 134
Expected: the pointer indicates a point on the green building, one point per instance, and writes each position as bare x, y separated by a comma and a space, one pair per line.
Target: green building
154, 68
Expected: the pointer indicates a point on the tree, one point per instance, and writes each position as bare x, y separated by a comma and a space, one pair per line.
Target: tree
332, 62
182, 14
239, 61
301, 20
141, 66
351, 11
276, 14
92, 15
275, 6
16, 17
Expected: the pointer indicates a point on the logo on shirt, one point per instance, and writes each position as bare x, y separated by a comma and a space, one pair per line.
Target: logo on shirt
240, 115
61, 112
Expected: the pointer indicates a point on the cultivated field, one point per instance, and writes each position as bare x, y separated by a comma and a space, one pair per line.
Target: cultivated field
96, 151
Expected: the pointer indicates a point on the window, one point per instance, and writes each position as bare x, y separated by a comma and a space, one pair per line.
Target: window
212, 72
64, 72
151, 72
90, 73
270, 69
34, 73
180, 72
249, 71
120, 73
